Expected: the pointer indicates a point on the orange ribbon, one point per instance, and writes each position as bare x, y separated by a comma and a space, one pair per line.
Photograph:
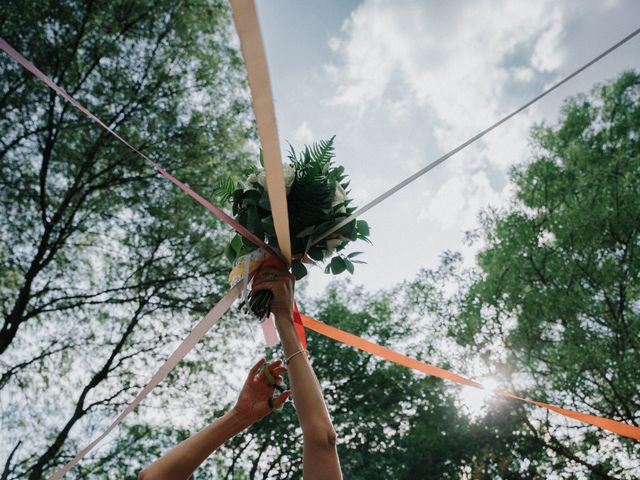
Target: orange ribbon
349, 339
299, 326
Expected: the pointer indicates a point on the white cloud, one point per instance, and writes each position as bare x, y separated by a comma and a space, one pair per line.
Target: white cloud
303, 134
446, 65
458, 200
546, 54
401, 82
455, 68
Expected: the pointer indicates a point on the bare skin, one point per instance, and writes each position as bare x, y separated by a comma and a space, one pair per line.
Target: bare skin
320, 457
320, 460
252, 404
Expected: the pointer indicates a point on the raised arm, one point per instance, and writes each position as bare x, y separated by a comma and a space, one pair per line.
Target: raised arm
253, 404
321, 460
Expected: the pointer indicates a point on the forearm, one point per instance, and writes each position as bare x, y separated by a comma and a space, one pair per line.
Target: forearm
181, 461
307, 394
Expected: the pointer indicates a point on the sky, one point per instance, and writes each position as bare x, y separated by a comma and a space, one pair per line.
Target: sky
402, 82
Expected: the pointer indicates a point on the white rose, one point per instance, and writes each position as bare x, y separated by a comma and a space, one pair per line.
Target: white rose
289, 172
250, 181
262, 178
332, 244
339, 197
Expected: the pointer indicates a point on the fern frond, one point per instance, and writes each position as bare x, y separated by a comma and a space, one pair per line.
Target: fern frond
225, 189
291, 154
321, 152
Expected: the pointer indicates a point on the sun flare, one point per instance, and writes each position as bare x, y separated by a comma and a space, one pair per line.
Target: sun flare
475, 399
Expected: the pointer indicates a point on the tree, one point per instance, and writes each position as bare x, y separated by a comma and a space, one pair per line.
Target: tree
106, 263
553, 305
391, 422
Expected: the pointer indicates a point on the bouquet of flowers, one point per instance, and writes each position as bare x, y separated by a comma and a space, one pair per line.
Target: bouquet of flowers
317, 198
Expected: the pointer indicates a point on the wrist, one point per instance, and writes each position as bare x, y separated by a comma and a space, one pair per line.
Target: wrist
283, 317
239, 418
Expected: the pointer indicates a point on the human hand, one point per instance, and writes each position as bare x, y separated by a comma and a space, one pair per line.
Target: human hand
282, 284
253, 401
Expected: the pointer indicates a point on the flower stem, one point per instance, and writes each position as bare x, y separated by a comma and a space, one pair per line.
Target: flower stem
260, 303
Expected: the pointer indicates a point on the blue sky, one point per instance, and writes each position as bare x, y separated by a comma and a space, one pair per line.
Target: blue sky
402, 82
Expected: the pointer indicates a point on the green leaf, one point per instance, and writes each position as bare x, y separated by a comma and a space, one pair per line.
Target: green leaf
264, 202
362, 228
236, 243
230, 253
354, 254
316, 253
337, 265
237, 196
267, 225
349, 266
298, 269
348, 229
247, 246
309, 243
251, 197
225, 189
323, 151
254, 222
307, 231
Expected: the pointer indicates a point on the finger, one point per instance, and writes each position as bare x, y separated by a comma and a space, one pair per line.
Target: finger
273, 262
278, 371
267, 375
275, 364
272, 274
268, 276
274, 271
278, 383
279, 401
254, 369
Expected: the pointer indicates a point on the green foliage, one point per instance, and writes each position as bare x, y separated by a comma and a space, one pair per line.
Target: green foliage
226, 188
553, 307
313, 208
107, 265
104, 263
391, 422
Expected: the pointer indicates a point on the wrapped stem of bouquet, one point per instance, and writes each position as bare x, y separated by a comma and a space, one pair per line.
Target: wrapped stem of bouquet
317, 198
